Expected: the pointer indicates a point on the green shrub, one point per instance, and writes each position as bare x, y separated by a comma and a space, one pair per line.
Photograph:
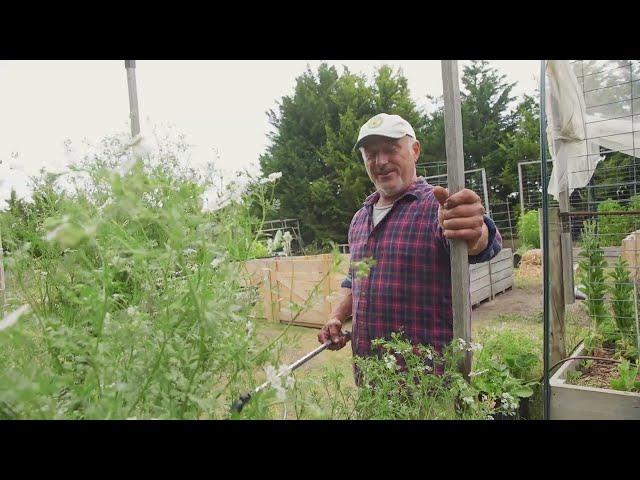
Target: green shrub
529, 229
520, 353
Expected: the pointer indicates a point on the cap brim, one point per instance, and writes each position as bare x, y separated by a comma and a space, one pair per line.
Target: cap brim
359, 142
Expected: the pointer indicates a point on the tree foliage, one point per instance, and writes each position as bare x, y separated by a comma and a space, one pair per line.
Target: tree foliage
314, 129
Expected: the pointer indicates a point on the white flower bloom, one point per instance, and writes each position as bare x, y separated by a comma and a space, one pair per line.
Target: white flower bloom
13, 317
286, 239
215, 263
132, 311
275, 380
468, 400
390, 362
469, 347
290, 382
189, 251
126, 164
274, 176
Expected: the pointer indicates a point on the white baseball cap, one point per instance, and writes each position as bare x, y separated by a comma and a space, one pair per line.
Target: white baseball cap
385, 125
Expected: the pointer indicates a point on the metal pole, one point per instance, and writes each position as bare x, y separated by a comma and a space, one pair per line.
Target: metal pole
521, 189
545, 242
130, 66
485, 189
461, 301
2, 283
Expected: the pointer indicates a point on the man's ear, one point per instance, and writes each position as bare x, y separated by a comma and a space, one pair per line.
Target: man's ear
416, 150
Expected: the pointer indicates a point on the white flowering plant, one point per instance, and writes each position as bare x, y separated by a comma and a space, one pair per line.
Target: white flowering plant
132, 307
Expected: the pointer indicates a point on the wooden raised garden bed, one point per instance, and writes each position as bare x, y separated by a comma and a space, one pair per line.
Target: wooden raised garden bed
490, 278
283, 280
575, 402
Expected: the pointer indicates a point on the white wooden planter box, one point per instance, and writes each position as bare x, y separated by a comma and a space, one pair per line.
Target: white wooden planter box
490, 278
574, 402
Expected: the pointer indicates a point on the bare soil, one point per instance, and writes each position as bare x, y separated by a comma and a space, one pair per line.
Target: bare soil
600, 373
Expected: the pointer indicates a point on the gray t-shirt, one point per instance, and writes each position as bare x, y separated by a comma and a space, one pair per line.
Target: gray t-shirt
379, 213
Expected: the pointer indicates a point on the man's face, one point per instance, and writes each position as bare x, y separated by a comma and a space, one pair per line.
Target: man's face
391, 163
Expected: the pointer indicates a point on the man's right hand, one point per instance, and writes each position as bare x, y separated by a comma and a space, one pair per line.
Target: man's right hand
332, 330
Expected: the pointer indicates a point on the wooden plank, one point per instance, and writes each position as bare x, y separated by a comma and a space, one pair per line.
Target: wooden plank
502, 285
567, 268
130, 66
455, 181
502, 264
501, 275
480, 295
558, 349
266, 293
310, 266
481, 282
502, 254
477, 273
288, 278
2, 284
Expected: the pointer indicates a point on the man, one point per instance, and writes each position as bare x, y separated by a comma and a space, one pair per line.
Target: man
404, 228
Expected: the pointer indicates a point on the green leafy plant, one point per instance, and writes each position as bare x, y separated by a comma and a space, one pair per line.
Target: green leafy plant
591, 276
628, 379
622, 303
136, 308
612, 228
521, 354
529, 229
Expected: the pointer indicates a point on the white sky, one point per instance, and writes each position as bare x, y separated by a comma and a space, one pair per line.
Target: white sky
217, 104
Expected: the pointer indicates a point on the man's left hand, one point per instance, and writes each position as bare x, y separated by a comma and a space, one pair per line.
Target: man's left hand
461, 217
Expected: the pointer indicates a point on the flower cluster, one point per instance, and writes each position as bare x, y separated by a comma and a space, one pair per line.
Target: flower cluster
468, 346
390, 362
272, 177
508, 404
274, 377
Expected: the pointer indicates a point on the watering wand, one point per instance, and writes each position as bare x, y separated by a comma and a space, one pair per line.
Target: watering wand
242, 401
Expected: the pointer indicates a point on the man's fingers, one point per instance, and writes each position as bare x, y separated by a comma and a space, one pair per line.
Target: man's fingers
469, 210
466, 234
323, 335
441, 194
460, 198
462, 223
339, 344
334, 331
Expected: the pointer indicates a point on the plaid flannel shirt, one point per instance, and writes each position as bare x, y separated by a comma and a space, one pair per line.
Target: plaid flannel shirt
409, 286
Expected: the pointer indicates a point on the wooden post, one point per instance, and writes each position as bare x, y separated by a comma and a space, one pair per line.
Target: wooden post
267, 295
455, 179
2, 284
521, 189
130, 66
487, 207
556, 299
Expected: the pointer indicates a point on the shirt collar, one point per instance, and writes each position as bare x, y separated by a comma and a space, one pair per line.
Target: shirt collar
418, 190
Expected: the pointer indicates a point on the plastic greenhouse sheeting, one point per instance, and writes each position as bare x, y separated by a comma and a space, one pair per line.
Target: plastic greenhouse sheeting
587, 113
